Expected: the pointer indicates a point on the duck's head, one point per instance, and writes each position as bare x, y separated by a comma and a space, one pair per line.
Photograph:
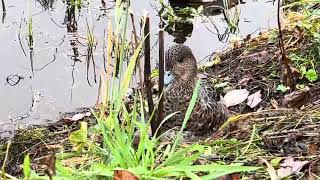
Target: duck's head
180, 65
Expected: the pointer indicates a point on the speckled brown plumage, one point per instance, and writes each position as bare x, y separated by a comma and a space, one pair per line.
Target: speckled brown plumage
209, 112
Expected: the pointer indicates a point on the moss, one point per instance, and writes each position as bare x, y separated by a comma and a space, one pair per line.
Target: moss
31, 134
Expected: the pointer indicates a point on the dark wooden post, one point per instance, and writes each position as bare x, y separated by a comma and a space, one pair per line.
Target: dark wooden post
147, 73
161, 77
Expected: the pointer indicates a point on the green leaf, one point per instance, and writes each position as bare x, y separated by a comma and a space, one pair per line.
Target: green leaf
128, 74
79, 137
26, 167
282, 88
63, 172
155, 73
187, 115
303, 70
311, 75
275, 161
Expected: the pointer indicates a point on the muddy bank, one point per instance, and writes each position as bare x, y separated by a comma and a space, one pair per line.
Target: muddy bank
42, 140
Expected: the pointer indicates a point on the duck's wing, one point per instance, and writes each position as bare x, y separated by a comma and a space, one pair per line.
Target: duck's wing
175, 101
210, 112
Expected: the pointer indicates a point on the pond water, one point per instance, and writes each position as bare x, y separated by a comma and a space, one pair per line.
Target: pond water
59, 82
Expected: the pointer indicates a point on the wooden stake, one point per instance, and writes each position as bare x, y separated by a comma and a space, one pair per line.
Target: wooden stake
161, 78
147, 72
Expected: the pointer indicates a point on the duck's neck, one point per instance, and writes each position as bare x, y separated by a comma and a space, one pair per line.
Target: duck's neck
185, 84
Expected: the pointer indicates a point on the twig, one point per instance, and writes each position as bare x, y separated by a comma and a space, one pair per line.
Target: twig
286, 73
283, 53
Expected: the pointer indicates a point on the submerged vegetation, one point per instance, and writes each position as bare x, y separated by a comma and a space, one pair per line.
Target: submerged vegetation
257, 142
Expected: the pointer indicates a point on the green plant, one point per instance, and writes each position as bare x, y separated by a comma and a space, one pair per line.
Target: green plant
147, 160
76, 3
282, 88
179, 15
232, 17
304, 16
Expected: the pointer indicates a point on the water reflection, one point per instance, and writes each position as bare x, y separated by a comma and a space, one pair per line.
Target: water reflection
4, 11
71, 22
180, 25
70, 17
46, 4
89, 59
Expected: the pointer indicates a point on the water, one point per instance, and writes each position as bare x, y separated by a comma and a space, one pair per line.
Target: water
60, 80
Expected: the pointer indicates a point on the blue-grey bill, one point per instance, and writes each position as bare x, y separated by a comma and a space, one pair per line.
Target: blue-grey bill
168, 78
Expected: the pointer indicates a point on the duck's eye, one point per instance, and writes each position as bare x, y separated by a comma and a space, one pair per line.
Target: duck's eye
180, 60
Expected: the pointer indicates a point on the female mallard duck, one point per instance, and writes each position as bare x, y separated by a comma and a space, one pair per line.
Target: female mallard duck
180, 79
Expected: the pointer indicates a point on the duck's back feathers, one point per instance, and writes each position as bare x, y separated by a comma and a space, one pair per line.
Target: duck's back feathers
209, 112
207, 115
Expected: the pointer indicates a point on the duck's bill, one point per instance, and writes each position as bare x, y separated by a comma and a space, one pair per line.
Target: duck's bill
168, 78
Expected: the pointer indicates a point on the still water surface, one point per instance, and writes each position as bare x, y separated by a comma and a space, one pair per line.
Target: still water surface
59, 83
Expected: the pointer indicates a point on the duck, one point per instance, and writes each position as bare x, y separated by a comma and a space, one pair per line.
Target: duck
181, 75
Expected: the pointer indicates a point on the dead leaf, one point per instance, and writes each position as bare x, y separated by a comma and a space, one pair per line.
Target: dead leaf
264, 35
225, 177
245, 79
237, 44
77, 117
254, 99
247, 38
124, 175
263, 56
313, 148
296, 99
274, 103
290, 166
235, 97
50, 163
235, 176
74, 161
